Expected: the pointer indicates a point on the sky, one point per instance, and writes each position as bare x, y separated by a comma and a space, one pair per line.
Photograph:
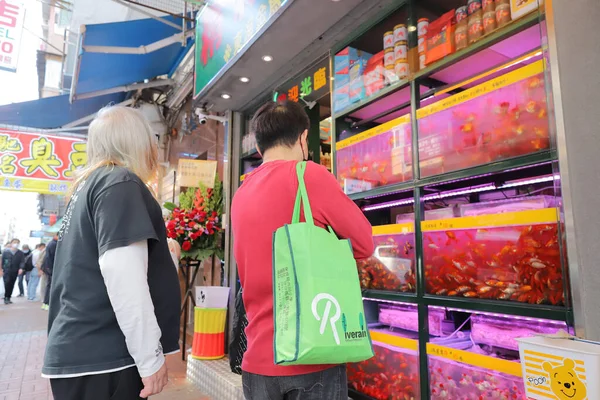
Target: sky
15, 88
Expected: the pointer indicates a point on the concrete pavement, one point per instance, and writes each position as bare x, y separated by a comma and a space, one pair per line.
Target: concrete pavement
22, 343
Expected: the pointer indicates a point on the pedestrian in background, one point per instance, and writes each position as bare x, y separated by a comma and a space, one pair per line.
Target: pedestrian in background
13, 261
24, 274
34, 274
48, 268
115, 297
43, 278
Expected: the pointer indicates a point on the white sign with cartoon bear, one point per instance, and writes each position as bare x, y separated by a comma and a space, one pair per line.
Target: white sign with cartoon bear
560, 368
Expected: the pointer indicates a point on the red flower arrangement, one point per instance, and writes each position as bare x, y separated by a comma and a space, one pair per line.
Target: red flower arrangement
196, 223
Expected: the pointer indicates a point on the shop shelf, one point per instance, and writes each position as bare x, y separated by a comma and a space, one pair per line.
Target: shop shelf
392, 266
499, 35
393, 88
512, 256
515, 163
387, 296
472, 375
502, 118
406, 317
380, 156
393, 373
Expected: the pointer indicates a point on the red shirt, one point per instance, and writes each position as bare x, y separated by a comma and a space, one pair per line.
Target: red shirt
263, 204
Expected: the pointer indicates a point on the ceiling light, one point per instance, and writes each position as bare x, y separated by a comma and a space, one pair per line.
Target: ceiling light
412, 28
267, 58
225, 96
244, 79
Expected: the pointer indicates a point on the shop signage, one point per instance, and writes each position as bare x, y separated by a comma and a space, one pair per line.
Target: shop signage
40, 234
309, 86
192, 172
39, 163
12, 14
223, 29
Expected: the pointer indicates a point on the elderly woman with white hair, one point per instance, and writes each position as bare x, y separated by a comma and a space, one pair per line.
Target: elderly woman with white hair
114, 307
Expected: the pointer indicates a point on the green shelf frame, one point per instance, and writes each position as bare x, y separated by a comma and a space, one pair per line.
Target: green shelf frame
418, 185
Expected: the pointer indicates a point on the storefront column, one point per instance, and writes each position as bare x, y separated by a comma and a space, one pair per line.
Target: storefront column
235, 131
574, 51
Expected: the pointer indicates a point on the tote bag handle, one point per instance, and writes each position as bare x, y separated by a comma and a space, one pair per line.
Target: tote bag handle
302, 197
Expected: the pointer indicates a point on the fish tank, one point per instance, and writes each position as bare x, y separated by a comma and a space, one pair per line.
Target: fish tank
449, 379
392, 265
502, 332
500, 251
380, 156
393, 373
499, 119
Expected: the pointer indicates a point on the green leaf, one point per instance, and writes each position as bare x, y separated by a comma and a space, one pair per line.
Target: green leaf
170, 206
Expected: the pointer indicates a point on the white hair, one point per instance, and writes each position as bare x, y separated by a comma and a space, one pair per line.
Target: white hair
121, 136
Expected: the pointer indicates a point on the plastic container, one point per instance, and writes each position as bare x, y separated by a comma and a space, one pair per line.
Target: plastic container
503, 332
511, 256
560, 368
393, 373
388, 40
400, 33
455, 380
407, 318
502, 13
496, 120
475, 26
377, 157
489, 22
392, 266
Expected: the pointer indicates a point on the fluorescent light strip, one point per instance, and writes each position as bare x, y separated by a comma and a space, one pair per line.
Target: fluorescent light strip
390, 302
461, 192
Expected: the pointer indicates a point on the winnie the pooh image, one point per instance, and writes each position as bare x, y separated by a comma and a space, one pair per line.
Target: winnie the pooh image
564, 382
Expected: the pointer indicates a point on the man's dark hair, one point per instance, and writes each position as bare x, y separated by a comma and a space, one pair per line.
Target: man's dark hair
279, 124
15, 240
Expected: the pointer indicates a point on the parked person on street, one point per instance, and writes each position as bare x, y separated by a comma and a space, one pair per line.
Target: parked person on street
13, 261
115, 298
26, 272
35, 274
263, 204
48, 269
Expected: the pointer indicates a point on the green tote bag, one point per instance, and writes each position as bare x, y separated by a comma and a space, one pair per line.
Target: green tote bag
317, 303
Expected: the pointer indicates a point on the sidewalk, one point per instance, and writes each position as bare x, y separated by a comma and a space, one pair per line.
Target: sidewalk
22, 343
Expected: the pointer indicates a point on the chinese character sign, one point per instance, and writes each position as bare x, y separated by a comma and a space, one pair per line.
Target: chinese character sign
12, 14
223, 29
310, 85
39, 162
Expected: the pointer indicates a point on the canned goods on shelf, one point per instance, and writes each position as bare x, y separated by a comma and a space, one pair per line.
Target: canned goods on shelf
388, 58
400, 33
402, 69
388, 40
488, 5
475, 27
422, 27
401, 51
461, 14
422, 58
461, 39
489, 22
473, 6
422, 45
502, 14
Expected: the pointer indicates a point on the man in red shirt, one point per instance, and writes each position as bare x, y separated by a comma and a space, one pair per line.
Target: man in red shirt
263, 204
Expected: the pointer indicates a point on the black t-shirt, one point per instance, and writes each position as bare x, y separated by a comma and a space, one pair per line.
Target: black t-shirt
111, 209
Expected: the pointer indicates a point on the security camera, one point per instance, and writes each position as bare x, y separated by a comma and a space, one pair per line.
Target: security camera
203, 117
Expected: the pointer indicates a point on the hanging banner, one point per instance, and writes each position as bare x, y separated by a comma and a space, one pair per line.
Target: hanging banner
192, 172
223, 29
12, 15
39, 163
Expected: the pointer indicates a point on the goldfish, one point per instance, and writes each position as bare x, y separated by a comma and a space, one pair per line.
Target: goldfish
531, 107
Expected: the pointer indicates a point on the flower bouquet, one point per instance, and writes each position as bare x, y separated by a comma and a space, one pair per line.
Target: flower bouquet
196, 223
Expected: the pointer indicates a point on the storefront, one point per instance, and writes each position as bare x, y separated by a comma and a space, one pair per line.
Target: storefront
448, 123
